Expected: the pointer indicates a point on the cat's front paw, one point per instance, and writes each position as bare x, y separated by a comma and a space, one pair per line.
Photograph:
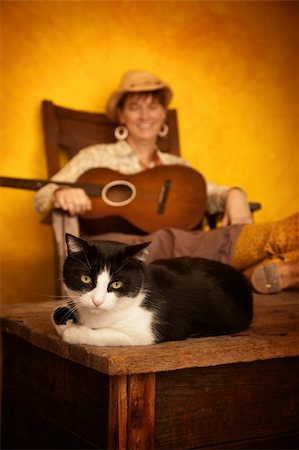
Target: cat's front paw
62, 318
75, 334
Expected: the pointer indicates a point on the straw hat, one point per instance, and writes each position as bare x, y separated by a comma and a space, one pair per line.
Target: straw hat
136, 81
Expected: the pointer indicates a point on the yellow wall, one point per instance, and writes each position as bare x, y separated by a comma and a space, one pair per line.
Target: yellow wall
233, 66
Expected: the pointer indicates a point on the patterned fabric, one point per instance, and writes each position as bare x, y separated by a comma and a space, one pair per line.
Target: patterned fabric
242, 246
119, 157
261, 241
251, 247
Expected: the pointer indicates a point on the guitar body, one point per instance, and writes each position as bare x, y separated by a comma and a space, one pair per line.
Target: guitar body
165, 196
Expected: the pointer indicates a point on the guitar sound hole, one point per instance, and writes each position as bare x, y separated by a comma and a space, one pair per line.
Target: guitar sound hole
119, 193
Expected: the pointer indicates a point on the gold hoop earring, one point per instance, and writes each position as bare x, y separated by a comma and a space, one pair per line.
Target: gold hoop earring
121, 133
163, 130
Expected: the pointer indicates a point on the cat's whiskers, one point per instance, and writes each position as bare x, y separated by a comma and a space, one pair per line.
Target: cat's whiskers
87, 260
74, 306
122, 266
82, 263
82, 302
85, 303
60, 297
69, 313
77, 302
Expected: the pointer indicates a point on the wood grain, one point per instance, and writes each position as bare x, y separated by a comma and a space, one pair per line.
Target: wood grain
274, 333
229, 403
236, 391
141, 411
51, 400
118, 405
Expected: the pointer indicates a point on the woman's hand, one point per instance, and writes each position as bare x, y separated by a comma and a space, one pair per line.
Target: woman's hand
73, 200
236, 208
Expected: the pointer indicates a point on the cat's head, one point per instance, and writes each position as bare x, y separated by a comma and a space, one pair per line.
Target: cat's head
102, 275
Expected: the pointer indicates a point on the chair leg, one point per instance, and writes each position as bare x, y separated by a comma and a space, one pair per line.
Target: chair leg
62, 223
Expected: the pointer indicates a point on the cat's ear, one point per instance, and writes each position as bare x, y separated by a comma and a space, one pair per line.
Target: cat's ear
138, 251
74, 244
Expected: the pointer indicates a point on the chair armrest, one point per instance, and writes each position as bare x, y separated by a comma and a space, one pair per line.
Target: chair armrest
254, 206
212, 219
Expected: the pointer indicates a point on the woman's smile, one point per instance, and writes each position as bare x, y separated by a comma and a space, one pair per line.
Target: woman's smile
143, 116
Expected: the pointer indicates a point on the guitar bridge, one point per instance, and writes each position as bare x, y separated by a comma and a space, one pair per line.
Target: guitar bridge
163, 196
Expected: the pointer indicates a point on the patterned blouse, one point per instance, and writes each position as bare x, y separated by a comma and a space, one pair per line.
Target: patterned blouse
121, 158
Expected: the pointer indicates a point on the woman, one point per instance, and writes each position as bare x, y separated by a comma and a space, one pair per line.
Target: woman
140, 106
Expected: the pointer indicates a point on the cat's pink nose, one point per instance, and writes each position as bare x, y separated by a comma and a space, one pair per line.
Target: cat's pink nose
97, 302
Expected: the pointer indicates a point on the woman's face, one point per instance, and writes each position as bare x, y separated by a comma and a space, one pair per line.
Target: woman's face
143, 115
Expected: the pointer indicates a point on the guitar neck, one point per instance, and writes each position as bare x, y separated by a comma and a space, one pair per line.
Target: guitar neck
34, 185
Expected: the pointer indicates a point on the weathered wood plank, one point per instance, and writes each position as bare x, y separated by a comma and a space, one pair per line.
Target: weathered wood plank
141, 411
117, 420
54, 394
214, 392
208, 406
274, 333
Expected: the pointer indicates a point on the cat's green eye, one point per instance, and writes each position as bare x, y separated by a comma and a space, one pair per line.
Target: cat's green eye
85, 279
116, 284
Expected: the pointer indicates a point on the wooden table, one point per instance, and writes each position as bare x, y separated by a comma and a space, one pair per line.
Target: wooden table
238, 391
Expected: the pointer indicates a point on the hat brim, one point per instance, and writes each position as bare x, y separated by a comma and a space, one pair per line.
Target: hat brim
112, 104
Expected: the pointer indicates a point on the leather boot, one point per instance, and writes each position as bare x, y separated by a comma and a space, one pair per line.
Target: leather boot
275, 274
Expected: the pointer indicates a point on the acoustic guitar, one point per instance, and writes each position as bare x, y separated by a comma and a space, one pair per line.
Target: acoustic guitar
171, 195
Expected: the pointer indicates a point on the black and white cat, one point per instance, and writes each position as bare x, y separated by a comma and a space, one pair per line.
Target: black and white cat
116, 299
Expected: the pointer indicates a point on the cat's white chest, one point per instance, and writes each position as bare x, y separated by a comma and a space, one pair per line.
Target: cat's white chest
108, 317
128, 318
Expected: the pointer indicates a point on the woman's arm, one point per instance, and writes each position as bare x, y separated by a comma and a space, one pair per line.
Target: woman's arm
72, 199
232, 202
236, 208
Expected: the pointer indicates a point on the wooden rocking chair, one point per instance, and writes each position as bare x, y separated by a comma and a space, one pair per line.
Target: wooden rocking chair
66, 131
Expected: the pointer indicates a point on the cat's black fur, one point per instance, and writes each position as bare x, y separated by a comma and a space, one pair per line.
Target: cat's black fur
203, 298
188, 297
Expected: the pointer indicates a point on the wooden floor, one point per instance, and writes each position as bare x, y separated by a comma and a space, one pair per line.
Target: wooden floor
238, 391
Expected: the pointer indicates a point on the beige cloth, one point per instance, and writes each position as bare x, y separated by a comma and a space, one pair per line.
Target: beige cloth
166, 243
119, 157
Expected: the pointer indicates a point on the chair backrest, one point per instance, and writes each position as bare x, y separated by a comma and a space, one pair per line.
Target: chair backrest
68, 130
